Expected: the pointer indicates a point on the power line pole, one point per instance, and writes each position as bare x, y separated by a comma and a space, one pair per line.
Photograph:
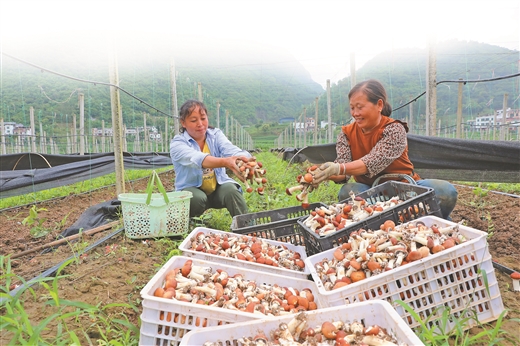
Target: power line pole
329, 112
503, 124
218, 115
199, 86
33, 129
117, 125
81, 98
316, 122
458, 133
352, 70
431, 91
175, 110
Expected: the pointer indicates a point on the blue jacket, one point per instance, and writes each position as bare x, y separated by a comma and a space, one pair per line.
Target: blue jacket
187, 158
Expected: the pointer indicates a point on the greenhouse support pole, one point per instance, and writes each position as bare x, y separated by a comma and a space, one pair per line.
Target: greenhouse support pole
103, 149
33, 130
316, 122
199, 87
410, 120
431, 90
503, 124
175, 110
74, 134
304, 127
117, 125
352, 69
81, 97
218, 115
2, 136
329, 112
458, 131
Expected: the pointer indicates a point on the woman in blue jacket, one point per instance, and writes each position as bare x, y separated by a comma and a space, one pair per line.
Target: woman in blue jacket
200, 154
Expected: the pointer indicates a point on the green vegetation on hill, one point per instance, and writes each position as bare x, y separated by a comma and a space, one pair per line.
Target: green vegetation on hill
251, 93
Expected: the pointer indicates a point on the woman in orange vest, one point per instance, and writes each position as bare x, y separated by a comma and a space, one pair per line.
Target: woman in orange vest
374, 145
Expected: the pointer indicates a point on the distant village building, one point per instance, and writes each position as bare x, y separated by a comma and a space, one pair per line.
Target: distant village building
153, 132
12, 128
9, 127
324, 124
487, 121
307, 126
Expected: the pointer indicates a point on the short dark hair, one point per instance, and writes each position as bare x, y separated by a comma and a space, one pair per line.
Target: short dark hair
374, 91
187, 108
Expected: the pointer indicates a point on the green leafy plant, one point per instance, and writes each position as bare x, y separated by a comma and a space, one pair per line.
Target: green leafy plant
36, 222
65, 316
454, 330
480, 192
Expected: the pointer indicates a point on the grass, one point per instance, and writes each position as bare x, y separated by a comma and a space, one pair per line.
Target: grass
115, 329
112, 328
74, 189
279, 175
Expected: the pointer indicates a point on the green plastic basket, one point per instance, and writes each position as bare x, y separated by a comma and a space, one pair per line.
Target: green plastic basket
150, 215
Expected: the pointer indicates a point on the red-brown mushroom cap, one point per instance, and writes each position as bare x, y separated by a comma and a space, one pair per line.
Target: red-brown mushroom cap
515, 276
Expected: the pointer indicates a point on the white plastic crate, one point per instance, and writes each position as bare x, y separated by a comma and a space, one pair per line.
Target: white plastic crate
166, 321
369, 313
186, 249
449, 278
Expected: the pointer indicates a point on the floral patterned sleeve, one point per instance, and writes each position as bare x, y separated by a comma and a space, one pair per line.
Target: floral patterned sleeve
388, 148
343, 151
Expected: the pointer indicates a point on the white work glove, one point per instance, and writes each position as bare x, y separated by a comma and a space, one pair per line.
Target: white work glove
325, 171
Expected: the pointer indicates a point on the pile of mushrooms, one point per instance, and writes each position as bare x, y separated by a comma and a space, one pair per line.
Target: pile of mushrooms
368, 253
203, 285
298, 332
304, 187
253, 171
326, 220
247, 248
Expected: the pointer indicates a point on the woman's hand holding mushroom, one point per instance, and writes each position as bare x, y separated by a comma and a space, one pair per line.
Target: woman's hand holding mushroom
325, 171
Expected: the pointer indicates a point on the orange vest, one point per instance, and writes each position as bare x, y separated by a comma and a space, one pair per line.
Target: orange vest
361, 144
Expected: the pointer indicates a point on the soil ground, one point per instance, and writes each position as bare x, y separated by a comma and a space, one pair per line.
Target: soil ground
115, 271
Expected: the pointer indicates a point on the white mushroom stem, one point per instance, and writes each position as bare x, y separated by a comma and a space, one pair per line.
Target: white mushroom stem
291, 190
400, 256
420, 240
449, 229
187, 283
295, 322
384, 246
179, 295
327, 227
372, 340
196, 276
516, 281
300, 197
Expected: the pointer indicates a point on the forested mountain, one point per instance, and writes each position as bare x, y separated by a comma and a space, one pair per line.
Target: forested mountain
403, 72
255, 84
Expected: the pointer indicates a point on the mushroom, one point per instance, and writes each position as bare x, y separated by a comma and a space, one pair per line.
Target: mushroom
291, 190
516, 281
400, 254
372, 340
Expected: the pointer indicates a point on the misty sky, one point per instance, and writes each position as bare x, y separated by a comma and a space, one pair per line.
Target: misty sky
321, 34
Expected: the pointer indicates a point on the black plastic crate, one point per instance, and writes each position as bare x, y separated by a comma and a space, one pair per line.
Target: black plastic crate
417, 200
278, 224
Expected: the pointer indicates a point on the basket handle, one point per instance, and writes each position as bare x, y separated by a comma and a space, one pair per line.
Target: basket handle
149, 189
395, 175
